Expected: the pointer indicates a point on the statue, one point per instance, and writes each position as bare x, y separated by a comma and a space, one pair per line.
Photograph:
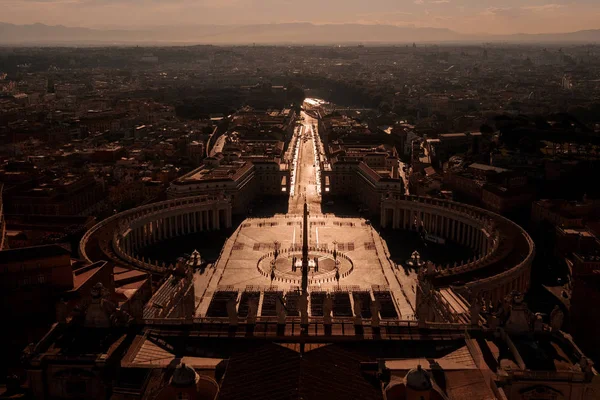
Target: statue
303, 308
99, 311
557, 318
232, 311
281, 310
252, 310
520, 317
327, 309
475, 310
357, 311
375, 307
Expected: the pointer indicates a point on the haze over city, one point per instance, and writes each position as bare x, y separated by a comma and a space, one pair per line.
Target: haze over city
463, 16
300, 200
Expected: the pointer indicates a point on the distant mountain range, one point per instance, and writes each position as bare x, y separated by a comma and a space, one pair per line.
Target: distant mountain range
292, 33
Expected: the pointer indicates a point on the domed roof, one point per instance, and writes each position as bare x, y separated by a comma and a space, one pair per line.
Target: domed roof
418, 379
184, 375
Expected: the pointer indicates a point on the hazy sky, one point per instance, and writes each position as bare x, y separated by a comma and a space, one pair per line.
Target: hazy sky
470, 16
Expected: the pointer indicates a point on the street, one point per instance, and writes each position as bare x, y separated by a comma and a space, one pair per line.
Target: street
305, 172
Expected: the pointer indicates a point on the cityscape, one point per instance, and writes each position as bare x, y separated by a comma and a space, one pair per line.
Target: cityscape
294, 218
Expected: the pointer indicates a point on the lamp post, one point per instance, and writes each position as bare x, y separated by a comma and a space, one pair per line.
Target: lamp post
335, 261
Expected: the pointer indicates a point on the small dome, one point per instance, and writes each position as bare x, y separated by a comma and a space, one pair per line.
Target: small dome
184, 376
418, 379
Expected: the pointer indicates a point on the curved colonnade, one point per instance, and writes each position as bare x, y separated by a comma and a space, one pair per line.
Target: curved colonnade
132, 230
504, 251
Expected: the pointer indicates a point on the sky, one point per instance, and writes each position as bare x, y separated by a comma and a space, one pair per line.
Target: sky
465, 16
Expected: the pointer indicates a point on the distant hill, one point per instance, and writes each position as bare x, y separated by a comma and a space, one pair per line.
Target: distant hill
292, 33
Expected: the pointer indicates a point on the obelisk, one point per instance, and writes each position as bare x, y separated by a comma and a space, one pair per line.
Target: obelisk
305, 249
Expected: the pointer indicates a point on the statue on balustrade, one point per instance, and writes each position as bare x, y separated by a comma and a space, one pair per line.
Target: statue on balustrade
252, 310
357, 311
303, 308
232, 311
281, 310
375, 307
327, 309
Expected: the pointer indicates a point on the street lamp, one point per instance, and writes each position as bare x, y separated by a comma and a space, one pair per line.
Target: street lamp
337, 268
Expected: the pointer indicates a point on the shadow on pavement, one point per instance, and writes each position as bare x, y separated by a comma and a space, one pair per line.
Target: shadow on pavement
401, 244
268, 206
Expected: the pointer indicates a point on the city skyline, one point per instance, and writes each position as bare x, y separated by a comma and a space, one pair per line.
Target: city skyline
462, 16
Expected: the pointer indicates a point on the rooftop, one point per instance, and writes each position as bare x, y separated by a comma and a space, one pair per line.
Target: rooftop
32, 253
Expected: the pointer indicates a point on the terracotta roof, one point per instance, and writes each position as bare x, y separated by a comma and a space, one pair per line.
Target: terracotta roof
31, 253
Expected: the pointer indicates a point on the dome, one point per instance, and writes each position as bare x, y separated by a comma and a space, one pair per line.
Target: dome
418, 379
184, 376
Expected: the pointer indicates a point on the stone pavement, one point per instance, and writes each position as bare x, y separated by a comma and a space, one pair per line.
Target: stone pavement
236, 269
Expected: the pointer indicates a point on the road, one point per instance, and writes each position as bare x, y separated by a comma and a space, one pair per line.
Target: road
401, 170
218, 146
306, 172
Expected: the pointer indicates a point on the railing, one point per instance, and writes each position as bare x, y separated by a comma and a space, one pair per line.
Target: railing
383, 323
574, 376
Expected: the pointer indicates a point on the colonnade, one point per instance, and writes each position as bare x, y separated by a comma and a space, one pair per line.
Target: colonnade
146, 225
492, 237
156, 228
437, 221
497, 287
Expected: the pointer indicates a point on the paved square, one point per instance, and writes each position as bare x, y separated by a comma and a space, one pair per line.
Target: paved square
237, 269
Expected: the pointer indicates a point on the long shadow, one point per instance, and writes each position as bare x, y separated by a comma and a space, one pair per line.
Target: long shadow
402, 243
341, 206
269, 206
208, 243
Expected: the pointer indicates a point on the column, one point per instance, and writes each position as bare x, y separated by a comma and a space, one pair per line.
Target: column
216, 219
